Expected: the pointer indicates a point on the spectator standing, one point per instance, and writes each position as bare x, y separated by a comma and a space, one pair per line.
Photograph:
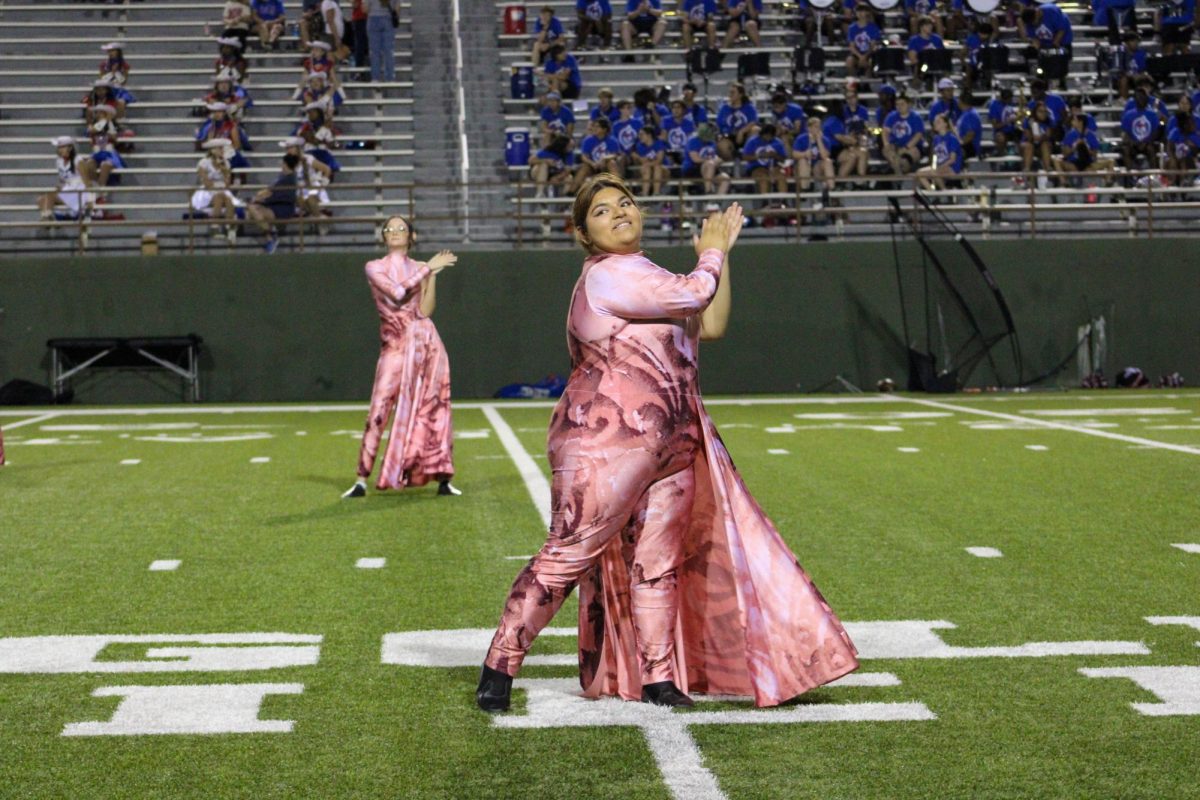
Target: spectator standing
382, 35
270, 21
594, 17
699, 15
1047, 28
562, 72
335, 28
643, 17
360, 37
547, 31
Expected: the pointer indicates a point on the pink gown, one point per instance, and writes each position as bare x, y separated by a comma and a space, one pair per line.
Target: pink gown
412, 382
682, 577
1, 448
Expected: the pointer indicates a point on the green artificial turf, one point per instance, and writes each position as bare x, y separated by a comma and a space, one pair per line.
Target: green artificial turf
1086, 527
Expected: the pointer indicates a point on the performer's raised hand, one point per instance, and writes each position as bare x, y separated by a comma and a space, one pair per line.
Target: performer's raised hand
720, 230
441, 261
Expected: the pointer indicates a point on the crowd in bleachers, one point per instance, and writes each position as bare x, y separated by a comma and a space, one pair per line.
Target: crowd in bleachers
929, 89
305, 156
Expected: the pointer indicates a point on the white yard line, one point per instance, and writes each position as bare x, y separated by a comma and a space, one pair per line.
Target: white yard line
531, 473
8, 426
1062, 426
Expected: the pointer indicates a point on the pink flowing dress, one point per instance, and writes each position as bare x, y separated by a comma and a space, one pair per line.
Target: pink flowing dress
412, 382
682, 576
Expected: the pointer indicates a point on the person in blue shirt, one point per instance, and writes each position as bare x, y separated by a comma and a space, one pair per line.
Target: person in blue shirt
650, 155
1146, 83
742, 15
923, 39
887, 103
699, 15
946, 156
847, 133
1003, 113
969, 127
562, 72
556, 119
551, 166
547, 31
702, 160
1081, 150
1183, 146
1139, 131
863, 38
604, 106
946, 103
1046, 27
1056, 106
695, 109
1130, 63
1075, 109
269, 20
645, 18
763, 155
737, 121
854, 110
1115, 14
677, 129
903, 134
1185, 107
625, 129
812, 153
788, 117
598, 152
594, 17
914, 10
1176, 23
1037, 138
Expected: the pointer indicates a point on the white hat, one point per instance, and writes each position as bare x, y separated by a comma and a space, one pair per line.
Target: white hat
320, 45
105, 107
112, 46
220, 141
231, 41
320, 75
945, 83
217, 106
292, 141
63, 141
224, 75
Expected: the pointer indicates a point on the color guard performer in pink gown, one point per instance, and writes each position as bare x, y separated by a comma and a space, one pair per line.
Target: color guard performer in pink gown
685, 585
412, 377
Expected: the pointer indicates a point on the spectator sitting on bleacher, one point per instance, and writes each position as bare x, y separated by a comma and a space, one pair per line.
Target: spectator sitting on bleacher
863, 38
1146, 83
763, 156
556, 119
270, 21
1115, 14
979, 35
594, 17
1185, 107
737, 121
923, 39
551, 166
231, 59
650, 156
1183, 147
114, 68
1081, 150
1176, 21
969, 127
677, 130
76, 174
1055, 105
312, 176
903, 135
1075, 109
105, 134
1037, 138
698, 15
945, 103
694, 108
812, 151
275, 203
625, 129
1003, 113
886, 94
604, 106
917, 10
237, 17
742, 16
320, 136
702, 161
1045, 27
319, 91
1140, 132
598, 152
562, 72
318, 59
946, 156
547, 30
220, 126
645, 18
1132, 63
213, 199
102, 94
789, 118
848, 140
225, 90
647, 108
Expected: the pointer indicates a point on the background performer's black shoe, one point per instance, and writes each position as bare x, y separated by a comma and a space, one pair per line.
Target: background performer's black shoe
494, 690
665, 693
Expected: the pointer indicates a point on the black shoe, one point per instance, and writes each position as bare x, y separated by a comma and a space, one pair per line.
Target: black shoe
357, 490
494, 690
665, 693
446, 488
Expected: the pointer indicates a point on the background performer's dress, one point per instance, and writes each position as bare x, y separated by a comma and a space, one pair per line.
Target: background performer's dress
412, 378
648, 513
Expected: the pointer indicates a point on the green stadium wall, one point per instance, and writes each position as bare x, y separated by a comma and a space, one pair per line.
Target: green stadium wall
303, 328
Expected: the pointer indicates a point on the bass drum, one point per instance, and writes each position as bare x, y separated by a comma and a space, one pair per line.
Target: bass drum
883, 5
983, 6
822, 5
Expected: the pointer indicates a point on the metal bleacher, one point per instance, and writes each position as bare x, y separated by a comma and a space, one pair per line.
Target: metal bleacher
49, 54
987, 201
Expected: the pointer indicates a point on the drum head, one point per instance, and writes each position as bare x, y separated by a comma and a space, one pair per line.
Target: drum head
884, 5
821, 5
983, 6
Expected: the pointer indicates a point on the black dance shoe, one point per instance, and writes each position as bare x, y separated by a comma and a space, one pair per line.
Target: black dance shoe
665, 693
494, 690
446, 489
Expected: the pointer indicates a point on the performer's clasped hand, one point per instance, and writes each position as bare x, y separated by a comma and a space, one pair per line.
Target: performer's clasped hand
720, 231
442, 260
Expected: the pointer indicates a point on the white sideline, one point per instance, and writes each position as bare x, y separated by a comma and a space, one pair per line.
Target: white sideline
531, 473
30, 421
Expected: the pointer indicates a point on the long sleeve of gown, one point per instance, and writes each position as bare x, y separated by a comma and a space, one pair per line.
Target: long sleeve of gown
377, 274
631, 287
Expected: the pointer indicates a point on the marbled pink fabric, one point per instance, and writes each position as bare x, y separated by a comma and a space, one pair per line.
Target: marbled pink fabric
682, 577
412, 382
1, 448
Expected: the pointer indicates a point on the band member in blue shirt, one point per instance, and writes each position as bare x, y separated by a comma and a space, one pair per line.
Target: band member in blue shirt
562, 72
598, 152
764, 155
551, 166
812, 152
923, 39
1003, 113
650, 155
695, 110
676, 131
903, 134
594, 16
969, 127
702, 160
737, 121
547, 31
946, 159
625, 129
742, 15
645, 17
1081, 150
863, 38
699, 15
1176, 24
556, 118
1046, 27
789, 118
